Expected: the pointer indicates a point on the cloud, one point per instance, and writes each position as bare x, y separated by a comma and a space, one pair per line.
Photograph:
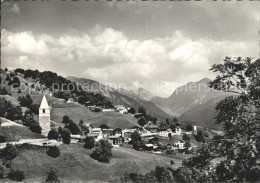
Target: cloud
10, 7
109, 56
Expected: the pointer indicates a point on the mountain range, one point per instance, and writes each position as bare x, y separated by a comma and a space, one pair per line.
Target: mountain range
122, 97
194, 102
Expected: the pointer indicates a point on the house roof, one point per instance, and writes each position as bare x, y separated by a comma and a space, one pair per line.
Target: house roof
149, 145
96, 129
44, 103
108, 130
180, 141
114, 137
153, 126
163, 129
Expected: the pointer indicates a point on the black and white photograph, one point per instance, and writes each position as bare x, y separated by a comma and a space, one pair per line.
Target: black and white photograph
130, 91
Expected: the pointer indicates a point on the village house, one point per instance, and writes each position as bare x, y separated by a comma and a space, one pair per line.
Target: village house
116, 140
107, 132
180, 144
96, 133
164, 132
168, 146
89, 127
178, 131
148, 147
75, 138
108, 110
118, 131
127, 134
153, 128
121, 109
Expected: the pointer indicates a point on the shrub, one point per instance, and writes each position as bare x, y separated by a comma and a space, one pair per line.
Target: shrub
142, 121
189, 128
36, 128
10, 152
102, 151
52, 176
66, 136
53, 152
89, 142
53, 134
2, 138
16, 175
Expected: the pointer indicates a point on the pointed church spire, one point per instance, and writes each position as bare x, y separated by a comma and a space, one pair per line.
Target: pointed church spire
44, 104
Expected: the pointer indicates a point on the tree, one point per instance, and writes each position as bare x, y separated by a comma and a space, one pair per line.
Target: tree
66, 136
200, 137
53, 134
74, 128
131, 110
53, 152
142, 110
136, 140
66, 120
104, 126
28, 119
36, 128
102, 151
25, 101
89, 142
52, 176
189, 128
16, 175
3, 91
172, 162
173, 127
16, 82
135, 136
185, 137
175, 120
240, 116
10, 111
9, 152
142, 121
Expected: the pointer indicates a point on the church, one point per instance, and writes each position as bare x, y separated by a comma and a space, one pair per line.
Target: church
44, 116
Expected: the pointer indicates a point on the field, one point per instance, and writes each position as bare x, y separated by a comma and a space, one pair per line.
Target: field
75, 165
14, 133
78, 112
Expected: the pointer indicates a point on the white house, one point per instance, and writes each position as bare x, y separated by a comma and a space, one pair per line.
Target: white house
177, 131
97, 133
180, 144
165, 133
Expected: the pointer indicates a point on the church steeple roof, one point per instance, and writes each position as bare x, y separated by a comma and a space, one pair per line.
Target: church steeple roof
44, 104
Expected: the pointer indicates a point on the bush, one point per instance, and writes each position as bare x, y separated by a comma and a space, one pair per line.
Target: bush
142, 121
74, 128
102, 151
10, 152
66, 136
16, 175
189, 128
53, 134
104, 126
52, 176
200, 137
53, 152
2, 138
89, 142
36, 128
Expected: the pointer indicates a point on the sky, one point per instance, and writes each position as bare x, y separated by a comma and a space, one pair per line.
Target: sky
157, 45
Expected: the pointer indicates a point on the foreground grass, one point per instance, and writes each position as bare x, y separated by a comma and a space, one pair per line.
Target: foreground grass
75, 165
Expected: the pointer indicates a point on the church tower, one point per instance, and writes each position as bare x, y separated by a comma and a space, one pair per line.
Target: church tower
44, 117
